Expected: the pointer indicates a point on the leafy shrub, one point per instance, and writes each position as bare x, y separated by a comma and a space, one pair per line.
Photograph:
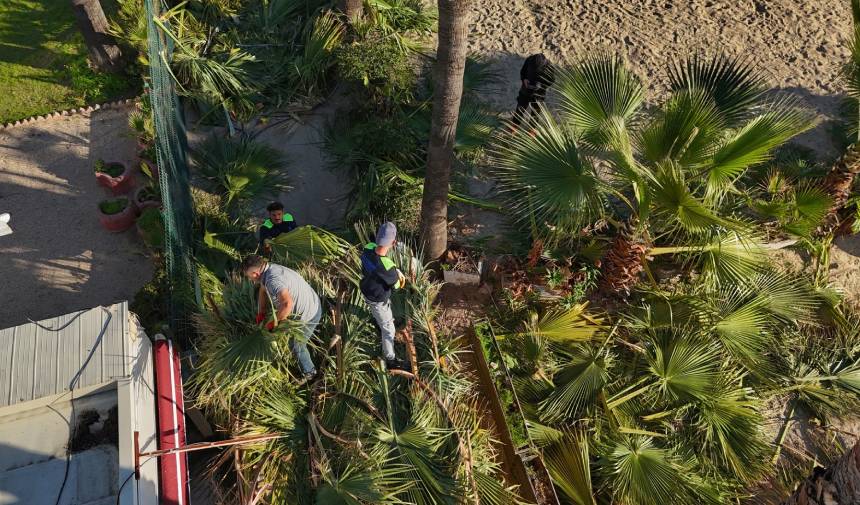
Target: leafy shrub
377, 63
151, 227
94, 86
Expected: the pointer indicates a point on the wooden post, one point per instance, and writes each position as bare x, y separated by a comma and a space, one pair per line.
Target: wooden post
103, 51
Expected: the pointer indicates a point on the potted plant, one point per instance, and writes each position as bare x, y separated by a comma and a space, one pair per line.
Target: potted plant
117, 214
150, 228
115, 176
147, 197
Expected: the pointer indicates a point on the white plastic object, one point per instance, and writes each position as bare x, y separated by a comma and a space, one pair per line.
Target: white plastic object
4, 224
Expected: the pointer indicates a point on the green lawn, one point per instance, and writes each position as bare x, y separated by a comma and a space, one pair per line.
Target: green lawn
43, 61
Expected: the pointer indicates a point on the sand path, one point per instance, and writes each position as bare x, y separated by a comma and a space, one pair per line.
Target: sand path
59, 259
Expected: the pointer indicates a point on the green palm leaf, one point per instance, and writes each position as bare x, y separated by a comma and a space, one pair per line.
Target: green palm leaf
357, 486
242, 169
677, 205
810, 205
851, 70
733, 85
568, 462
547, 179
753, 143
577, 384
492, 491
730, 429
732, 257
741, 324
684, 366
599, 96
637, 472
684, 132
574, 324
308, 243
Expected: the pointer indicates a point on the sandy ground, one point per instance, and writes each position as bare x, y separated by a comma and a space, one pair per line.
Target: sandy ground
797, 44
59, 259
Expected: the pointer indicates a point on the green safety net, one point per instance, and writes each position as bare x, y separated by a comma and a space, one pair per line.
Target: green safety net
171, 148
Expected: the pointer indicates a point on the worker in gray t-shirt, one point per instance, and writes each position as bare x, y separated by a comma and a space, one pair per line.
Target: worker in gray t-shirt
290, 294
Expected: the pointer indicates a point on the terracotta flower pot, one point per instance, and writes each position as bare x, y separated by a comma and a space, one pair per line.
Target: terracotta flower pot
116, 222
143, 201
119, 184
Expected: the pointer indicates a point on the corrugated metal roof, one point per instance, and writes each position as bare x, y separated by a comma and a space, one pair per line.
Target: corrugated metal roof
36, 362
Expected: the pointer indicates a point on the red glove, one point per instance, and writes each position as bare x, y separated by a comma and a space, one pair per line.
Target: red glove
271, 325
260, 317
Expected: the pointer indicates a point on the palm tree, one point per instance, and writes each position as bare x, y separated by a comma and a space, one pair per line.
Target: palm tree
666, 402
102, 49
352, 8
673, 171
448, 78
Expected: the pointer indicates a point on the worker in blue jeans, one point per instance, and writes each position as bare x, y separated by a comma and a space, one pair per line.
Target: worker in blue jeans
379, 277
291, 296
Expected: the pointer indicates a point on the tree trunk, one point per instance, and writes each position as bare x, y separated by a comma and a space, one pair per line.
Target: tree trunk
623, 262
103, 51
838, 184
838, 485
352, 8
448, 75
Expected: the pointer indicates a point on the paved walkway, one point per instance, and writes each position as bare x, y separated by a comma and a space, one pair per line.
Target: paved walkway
59, 259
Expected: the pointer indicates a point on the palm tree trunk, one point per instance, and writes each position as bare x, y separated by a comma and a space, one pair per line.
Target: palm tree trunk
103, 51
352, 8
838, 485
838, 185
448, 74
623, 262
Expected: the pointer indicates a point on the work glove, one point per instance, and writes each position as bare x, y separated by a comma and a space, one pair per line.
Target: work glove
271, 325
402, 279
261, 316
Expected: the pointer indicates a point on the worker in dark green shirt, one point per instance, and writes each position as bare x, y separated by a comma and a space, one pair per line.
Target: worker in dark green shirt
379, 277
279, 222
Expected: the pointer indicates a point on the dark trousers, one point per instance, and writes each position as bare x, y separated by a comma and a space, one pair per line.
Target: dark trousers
528, 98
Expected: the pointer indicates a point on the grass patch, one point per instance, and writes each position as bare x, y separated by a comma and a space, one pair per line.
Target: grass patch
43, 61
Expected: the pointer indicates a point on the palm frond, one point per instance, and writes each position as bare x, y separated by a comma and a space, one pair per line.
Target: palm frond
492, 491
684, 132
684, 366
730, 429
568, 462
546, 178
571, 325
577, 384
637, 472
733, 84
599, 96
731, 257
851, 70
753, 143
242, 169
308, 243
679, 207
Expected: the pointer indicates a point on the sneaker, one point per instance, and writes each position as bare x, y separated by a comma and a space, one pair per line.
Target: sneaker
397, 364
308, 377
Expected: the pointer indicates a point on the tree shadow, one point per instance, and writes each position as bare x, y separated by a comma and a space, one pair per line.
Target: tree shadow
28, 31
59, 259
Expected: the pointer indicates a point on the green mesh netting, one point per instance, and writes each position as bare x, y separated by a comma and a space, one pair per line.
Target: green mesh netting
171, 147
